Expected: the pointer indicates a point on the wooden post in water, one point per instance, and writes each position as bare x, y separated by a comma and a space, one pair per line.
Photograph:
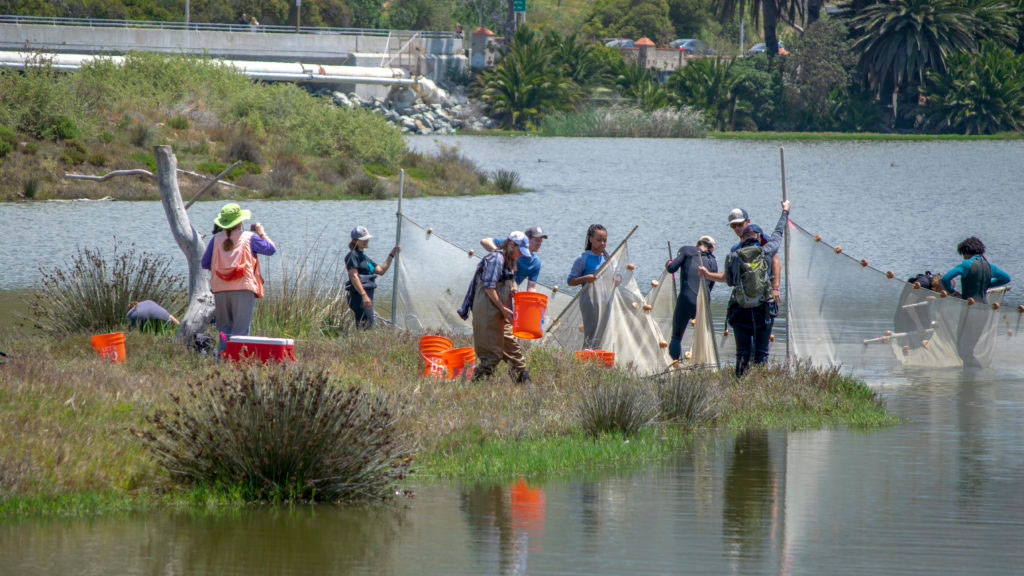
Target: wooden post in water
398, 255
200, 299
789, 327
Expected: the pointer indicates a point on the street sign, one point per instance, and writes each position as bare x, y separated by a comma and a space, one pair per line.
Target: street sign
519, 5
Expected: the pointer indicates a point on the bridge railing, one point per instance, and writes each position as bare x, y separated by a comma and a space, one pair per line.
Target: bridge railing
213, 26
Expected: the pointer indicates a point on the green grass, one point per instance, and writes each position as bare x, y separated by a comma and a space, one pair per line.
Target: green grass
551, 455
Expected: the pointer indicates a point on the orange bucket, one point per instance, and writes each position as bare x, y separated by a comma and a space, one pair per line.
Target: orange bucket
456, 360
431, 345
110, 345
434, 368
603, 356
528, 310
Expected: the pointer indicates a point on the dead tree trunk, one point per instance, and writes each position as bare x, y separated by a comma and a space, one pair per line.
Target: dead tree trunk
200, 299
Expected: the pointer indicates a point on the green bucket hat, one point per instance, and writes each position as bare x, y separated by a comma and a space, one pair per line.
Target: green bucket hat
230, 215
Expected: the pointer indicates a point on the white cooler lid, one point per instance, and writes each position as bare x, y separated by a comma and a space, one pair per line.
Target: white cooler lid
262, 340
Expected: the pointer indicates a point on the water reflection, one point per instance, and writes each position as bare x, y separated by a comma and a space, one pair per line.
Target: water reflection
507, 523
752, 498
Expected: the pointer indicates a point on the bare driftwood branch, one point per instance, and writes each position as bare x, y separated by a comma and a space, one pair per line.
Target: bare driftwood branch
148, 174
109, 175
213, 182
200, 299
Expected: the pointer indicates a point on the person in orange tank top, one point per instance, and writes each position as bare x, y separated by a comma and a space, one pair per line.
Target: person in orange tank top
235, 280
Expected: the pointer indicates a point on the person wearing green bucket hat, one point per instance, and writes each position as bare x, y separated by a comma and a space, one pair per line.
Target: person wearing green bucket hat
235, 279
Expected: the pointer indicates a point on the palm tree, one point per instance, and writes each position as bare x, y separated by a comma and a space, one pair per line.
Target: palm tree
525, 85
636, 82
899, 40
578, 60
769, 12
709, 85
981, 93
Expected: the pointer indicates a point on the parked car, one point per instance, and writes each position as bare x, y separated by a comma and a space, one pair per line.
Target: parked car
619, 42
692, 46
760, 47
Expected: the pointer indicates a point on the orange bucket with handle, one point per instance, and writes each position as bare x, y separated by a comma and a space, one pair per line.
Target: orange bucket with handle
528, 310
110, 345
455, 360
431, 345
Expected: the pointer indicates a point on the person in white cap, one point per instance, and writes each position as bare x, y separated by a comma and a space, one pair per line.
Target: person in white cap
687, 261
527, 268
489, 298
362, 276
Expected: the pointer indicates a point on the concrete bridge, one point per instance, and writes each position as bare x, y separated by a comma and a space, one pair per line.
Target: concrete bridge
421, 52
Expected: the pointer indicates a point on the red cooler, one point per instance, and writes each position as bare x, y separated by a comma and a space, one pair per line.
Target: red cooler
260, 348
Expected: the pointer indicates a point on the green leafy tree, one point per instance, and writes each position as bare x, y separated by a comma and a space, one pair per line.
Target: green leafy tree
980, 93
421, 14
637, 82
630, 19
578, 61
689, 18
766, 12
817, 73
526, 85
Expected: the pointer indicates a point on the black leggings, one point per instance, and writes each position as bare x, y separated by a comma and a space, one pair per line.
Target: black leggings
364, 316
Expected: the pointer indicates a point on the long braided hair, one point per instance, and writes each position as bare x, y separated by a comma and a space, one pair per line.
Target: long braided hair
590, 233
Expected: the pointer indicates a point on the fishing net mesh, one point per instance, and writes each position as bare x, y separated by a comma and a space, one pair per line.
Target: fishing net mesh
611, 314
843, 311
431, 278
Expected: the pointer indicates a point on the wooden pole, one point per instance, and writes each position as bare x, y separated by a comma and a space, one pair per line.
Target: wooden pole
398, 255
675, 291
212, 183
789, 326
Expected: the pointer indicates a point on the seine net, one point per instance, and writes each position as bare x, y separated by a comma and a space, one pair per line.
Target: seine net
698, 344
431, 278
842, 311
611, 314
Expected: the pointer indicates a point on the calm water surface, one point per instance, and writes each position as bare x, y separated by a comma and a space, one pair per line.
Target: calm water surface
943, 493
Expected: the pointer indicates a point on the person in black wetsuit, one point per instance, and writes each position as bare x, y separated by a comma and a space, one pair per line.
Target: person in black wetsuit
687, 261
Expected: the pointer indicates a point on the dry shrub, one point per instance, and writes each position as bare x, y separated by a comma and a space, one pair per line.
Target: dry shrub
92, 291
281, 433
686, 397
615, 402
284, 172
242, 146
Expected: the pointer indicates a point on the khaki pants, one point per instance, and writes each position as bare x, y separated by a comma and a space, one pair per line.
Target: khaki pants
492, 336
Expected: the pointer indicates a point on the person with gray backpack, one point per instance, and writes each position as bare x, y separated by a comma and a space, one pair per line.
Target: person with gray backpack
754, 304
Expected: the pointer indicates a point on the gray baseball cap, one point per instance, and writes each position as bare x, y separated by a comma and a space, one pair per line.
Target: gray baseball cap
535, 232
738, 215
361, 233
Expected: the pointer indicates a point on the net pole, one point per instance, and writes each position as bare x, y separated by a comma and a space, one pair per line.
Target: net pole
789, 327
398, 241
675, 292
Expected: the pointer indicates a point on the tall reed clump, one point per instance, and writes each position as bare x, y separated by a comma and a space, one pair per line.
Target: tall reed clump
687, 397
627, 122
92, 291
306, 297
281, 433
615, 402
506, 181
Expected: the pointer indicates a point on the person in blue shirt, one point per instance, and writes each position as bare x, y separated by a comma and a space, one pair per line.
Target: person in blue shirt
976, 277
528, 267
583, 272
150, 316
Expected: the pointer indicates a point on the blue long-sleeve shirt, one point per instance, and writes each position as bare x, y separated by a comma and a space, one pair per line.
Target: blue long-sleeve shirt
999, 278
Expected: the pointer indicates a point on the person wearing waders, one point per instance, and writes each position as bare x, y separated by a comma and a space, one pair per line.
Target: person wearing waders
754, 303
977, 276
489, 298
687, 261
235, 278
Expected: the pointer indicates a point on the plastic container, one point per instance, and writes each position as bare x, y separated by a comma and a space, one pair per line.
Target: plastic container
110, 345
528, 309
601, 356
431, 345
259, 348
434, 368
456, 359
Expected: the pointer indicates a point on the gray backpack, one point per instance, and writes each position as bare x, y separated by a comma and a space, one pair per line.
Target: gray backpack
750, 276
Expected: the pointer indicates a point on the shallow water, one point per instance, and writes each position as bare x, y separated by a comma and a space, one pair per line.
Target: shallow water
942, 493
